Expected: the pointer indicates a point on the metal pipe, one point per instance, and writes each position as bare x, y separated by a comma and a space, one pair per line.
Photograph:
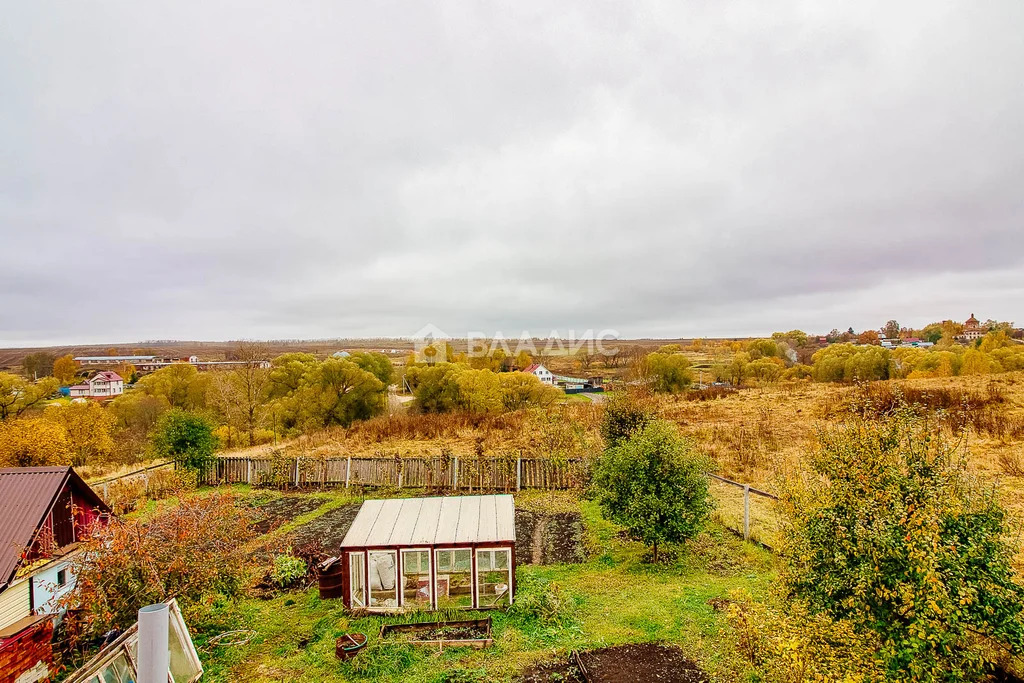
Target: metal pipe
154, 652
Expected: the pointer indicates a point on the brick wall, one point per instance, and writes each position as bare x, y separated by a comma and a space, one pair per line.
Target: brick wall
23, 652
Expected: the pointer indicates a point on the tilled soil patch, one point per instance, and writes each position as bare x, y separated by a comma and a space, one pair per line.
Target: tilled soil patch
621, 664
328, 529
279, 511
555, 538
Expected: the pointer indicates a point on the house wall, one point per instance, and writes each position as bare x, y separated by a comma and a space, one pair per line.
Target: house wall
27, 656
14, 603
46, 592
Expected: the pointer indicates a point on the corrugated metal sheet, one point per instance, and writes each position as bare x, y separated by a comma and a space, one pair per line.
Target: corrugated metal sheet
26, 496
405, 522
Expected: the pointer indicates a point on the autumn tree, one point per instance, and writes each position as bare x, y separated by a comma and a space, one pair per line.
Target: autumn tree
377, 364
38, 365
89, 430
188, 551
18, 394
668, 372
180, 384
868, 337
522, 389
334, 392
523, 359
479, 391
64, 369
243, 392
33, 442
890, 530
891, 330
127, 372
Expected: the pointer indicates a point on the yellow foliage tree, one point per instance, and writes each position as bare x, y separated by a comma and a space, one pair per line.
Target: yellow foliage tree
88, 427
33, 442
64, 369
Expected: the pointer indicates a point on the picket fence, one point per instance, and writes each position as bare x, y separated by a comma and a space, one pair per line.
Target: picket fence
454, 473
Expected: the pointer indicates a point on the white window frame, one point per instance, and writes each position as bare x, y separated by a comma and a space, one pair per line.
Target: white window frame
359, 557
472, 576
430, 574
476, 574
369, 582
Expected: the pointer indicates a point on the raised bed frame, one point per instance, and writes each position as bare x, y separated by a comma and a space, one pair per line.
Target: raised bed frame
442, 643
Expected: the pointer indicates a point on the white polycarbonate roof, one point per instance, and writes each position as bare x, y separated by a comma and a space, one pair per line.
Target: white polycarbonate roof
433, 521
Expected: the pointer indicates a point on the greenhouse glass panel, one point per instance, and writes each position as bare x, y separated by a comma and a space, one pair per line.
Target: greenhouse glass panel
454, 578
383, 575
494, 577
416, 578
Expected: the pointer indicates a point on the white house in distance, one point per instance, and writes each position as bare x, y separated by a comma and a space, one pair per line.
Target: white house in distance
541, 373
106, 384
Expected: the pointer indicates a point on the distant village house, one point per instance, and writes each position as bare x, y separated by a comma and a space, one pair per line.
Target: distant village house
541, 373
105, 384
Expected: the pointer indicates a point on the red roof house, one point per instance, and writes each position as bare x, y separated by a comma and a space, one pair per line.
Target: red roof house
44, 512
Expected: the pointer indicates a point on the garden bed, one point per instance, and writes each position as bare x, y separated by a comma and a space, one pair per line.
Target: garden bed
279, 511
620, 664
441, 634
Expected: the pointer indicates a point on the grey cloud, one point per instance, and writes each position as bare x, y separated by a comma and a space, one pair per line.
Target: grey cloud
224, 169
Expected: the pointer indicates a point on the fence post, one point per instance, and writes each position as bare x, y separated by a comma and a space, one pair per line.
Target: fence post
746, 512
519, 473
248, 471
401, 471
348, 471
298, 458
455, 472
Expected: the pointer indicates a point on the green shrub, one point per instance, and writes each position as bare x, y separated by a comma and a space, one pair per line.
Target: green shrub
542, 601
624, 414
287, 570
654, 484
186, 438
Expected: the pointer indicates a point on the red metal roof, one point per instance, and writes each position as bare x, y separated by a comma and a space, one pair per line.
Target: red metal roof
27, 494
531, 368
108, 375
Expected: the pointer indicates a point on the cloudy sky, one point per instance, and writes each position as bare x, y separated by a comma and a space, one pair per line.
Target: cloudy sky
222, 170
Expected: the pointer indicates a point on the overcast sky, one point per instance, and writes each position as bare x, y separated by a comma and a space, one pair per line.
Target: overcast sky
249, 169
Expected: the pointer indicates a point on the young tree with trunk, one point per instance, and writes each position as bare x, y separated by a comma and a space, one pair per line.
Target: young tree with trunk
655, 484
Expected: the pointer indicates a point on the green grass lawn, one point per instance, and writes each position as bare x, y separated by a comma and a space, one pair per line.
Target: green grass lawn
614, 598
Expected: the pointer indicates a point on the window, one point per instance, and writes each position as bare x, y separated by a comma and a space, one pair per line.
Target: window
454, 578
383, 572
493, 577
416, 579
62, 578
357, 574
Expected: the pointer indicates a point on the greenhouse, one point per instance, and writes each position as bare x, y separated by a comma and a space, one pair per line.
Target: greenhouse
430, 553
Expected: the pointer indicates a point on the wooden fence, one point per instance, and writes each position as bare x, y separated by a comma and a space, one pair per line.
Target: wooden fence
453, 474
138, 477
461, 474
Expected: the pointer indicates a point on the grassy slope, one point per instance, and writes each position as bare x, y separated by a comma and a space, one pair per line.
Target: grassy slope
618, 599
